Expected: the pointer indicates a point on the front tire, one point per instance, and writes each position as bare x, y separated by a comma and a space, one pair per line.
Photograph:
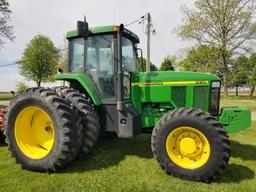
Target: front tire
190, 144
39, 130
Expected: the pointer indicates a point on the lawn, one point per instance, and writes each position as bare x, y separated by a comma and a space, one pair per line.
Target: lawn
243, 100
128, 165
5, 96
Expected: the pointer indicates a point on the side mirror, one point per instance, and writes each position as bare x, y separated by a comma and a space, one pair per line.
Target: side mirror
139, 50
140, 59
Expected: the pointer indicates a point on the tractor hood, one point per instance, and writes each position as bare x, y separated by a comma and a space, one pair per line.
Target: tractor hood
161, 91
172, 77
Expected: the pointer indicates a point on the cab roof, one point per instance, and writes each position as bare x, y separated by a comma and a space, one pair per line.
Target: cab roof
103, 29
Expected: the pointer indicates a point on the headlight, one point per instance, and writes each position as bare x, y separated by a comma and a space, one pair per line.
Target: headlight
216, 84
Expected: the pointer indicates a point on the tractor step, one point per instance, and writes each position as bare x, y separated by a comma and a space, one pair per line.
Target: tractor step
128, 120
129, 123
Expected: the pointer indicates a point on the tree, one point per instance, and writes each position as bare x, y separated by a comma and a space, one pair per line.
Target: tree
64, 56
141, 65
21, 87
6, 30
238, 72
244, 71
168, 63
225, 24
153, 67
40, 60
251, 74
202, 58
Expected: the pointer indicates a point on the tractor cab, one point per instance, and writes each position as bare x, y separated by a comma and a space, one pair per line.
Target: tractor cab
96, 55
106, 56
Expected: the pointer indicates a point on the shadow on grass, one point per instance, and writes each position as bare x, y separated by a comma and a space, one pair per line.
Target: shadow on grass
109, 153
244, 151
2, 144
235, 174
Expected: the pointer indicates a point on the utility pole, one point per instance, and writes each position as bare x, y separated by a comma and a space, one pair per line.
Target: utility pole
148, 41
146, 18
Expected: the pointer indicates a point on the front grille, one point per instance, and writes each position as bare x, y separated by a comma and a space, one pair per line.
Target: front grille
201, 97
179, 96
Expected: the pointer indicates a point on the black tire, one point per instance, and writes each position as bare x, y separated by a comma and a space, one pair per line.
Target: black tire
206, 124
84, 109
65, 145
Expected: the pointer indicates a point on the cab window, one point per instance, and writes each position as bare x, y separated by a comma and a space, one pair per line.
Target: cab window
100, 64
129, 64
76, 59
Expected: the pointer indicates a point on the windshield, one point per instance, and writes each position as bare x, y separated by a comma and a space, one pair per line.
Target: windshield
100, 62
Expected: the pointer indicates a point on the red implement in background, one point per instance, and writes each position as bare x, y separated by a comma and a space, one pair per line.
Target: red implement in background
2, 114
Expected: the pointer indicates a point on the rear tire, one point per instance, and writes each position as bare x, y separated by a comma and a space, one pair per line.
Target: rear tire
83, 109
190, 144
37, 146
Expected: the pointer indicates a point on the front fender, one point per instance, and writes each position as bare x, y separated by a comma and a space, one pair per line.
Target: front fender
235, 119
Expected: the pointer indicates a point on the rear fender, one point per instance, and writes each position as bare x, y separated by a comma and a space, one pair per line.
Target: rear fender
85, 83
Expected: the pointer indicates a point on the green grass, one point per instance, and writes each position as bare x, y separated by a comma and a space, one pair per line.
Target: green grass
128, 165
5, 96
243, 101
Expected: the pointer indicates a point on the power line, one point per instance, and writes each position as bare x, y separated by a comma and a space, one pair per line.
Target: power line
131, 23
9, 64
139, 20
16, 63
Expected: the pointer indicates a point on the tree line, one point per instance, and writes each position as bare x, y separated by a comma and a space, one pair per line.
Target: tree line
224, 30
241, 69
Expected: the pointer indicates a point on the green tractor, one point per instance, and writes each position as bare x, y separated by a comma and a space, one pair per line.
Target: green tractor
48, 128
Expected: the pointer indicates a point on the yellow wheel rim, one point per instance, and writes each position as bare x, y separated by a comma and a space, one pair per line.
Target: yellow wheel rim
187, 147
34, 132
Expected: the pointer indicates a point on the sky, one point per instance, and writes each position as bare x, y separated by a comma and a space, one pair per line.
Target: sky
55, 18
